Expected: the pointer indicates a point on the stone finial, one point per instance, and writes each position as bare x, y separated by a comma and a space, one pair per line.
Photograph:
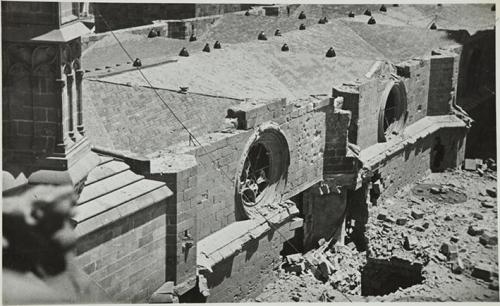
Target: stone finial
184, 52
302, 15
330, 52
206, 48
137, 63
368, 12
383, 8
285, 48
302, 26
262, 36
217, 45
372, 21
247, 13
351, 14
277, 32
193, 38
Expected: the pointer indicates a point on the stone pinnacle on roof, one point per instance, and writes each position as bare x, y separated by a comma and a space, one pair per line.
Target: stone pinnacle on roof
302, 15
277, 32
302, 27
285, 48
262, 36
247, 13
184, 52
152, 33
137, 63
330, 52
433, 26
367, 12
383, 8
351, 14
206, 48
217, 45
323, 20
372, 21
193, 37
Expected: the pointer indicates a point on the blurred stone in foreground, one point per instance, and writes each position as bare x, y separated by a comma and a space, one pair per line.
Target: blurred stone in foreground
37, 242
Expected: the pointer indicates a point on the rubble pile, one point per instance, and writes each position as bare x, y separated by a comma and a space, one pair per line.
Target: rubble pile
446, 222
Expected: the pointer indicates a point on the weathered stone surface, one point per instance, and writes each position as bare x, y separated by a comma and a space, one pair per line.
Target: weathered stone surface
475, 230
401, 221
417, 214
491, 192
488, 239
449, 250
410, 242
482, 271
487, 204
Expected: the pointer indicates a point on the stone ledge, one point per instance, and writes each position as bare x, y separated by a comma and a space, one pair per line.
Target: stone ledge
374, 155
231, 239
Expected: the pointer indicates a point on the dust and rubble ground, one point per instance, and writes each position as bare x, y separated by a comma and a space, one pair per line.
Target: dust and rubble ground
454, 240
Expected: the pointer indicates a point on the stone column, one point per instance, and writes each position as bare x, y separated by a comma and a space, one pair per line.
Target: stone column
62, 138
79, 104
69, 91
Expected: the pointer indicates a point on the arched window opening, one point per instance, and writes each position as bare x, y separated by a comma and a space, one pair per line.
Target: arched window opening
263, 171
392, 115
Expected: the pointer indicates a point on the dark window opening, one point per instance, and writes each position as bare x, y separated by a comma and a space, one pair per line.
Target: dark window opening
390, 111
437, 156
255, 175
393, 114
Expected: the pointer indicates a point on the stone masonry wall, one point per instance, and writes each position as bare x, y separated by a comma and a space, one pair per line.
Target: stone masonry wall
415, 75
245, 274
414, 161
303, 125
442, 82
180, 174
127, 258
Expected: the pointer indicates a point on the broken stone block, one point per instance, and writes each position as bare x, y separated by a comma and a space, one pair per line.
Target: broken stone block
487, 205
477, 216
448, 218
401, 221
410, 242
454, 239
480, 172
419, 228
425, 225
390, 220
491, 192
482, 271
493, 285
458, 266
470, 164
417, 214
381, 216
475, 230
294, 258
440, 257
449, 250
488, 239
435, 190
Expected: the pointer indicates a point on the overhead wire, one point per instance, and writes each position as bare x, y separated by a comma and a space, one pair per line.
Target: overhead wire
193, 137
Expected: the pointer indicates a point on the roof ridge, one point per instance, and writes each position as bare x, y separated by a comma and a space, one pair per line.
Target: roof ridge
166, 89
